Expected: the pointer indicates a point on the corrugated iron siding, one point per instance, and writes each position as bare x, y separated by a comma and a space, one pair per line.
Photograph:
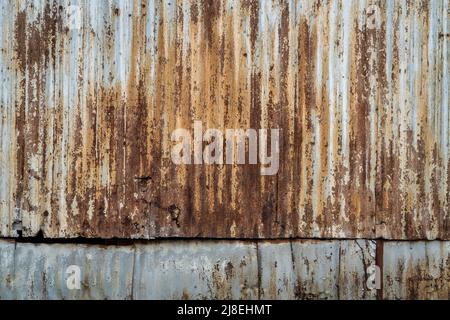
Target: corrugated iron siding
196, 270
306, 269
86, 117
322, 269
39, 271
417, 270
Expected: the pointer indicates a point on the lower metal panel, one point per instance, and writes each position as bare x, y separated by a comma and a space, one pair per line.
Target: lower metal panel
302, 269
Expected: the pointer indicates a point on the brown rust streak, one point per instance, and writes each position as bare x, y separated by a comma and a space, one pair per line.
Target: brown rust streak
35, 50
306, 101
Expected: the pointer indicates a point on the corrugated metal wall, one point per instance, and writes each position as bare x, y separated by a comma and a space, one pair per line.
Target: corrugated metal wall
362, 108
358, 88
304, 269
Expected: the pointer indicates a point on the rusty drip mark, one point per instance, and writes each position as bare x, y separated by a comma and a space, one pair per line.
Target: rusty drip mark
379, 257
259, 266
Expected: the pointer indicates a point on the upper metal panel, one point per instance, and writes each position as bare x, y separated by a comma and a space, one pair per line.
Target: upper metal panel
359, 90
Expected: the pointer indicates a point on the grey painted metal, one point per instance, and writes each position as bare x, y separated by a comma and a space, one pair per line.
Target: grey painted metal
196, 270
6, 269
310, 269
278, 275
417, 270
355, 258
307, 269
40, 271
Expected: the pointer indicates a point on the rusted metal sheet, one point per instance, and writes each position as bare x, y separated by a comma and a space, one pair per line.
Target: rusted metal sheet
359, 90
322, 269
413, 183
196, 270
417, 270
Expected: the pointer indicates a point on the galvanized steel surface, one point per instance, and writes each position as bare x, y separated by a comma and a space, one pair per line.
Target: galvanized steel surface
196, 270
362, 104
417, 270
39, 271
306, 269
323, 269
